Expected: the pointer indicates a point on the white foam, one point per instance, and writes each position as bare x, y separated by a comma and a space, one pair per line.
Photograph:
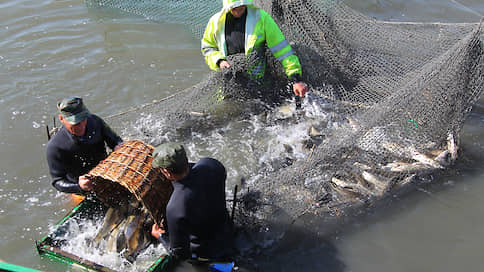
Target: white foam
78, 239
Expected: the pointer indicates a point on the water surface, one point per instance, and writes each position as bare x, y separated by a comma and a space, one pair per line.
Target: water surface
52, 49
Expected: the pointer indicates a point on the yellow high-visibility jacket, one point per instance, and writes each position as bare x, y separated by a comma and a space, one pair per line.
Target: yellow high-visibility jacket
260, 29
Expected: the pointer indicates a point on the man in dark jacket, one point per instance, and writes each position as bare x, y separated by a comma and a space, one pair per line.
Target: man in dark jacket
78, 146
198, 223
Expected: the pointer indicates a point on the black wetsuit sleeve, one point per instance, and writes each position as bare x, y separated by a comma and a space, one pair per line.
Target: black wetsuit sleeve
67, 187
295, 78
60, 179
179, 235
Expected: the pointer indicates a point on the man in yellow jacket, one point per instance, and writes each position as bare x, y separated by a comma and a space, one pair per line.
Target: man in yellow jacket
242, 27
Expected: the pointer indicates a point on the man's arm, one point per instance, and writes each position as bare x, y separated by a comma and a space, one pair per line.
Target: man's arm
60, 179
178, 234
282, 51
280, 47
210, 51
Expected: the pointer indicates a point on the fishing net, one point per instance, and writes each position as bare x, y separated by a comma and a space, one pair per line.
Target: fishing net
394, 97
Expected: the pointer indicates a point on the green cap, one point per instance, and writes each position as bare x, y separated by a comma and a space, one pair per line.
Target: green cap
169, 155
73, 110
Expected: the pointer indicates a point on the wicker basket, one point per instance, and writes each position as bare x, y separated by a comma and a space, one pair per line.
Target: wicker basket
126, 174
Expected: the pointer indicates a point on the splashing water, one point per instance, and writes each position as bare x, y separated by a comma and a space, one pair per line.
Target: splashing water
77, 240
263, 142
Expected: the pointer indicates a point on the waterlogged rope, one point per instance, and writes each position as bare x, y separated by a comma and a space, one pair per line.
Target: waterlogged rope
154, 102
467, 8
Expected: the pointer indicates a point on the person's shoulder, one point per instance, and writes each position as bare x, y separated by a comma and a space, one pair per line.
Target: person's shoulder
59, 139
216, 16
264, 14
210, 163
92, 116
209, 160
96, 119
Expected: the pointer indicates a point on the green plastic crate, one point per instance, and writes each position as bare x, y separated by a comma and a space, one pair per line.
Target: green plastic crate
15, 268
88, 208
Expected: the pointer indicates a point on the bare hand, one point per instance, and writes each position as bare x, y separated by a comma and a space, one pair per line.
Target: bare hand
118, 146
224, 64
300, 88
156, 231
85, 183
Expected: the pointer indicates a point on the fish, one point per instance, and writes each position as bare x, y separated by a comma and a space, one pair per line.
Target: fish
416, 167
410, 152
362, 166
313, 132
116, 242
351, 187
112, 219
137, 237
353, 123
285, 111
381, 184
134, 235
407, 180
126, 229
416, 155
132, 223
198, 114
452, 146
444, 158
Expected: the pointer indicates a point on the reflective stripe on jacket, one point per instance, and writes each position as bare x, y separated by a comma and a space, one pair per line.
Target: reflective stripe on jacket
260, 29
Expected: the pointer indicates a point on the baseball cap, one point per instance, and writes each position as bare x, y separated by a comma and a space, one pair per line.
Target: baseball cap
73, 110
169, 156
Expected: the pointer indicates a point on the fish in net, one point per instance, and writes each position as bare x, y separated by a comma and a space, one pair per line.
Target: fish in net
401, 92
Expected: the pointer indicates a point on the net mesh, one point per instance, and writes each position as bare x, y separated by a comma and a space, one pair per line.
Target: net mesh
394, 97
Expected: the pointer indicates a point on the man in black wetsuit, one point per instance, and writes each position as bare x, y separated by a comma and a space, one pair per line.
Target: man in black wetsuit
78, 146
198, 223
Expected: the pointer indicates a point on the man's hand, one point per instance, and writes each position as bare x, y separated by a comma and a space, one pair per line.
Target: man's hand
85, 183
224, 64
118, 146
300, 88
156, 231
